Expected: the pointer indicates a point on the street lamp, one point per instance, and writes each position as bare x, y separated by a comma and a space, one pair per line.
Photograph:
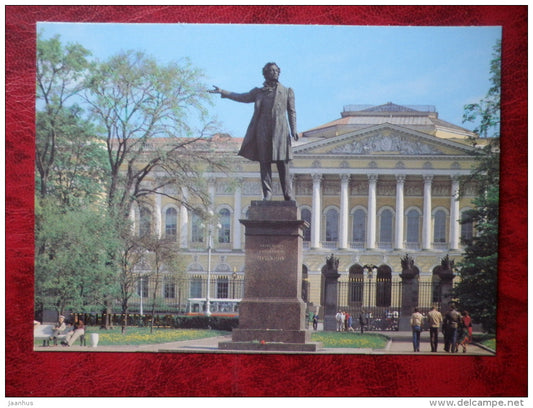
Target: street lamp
210, 229
141, 293
370, 270
234, 277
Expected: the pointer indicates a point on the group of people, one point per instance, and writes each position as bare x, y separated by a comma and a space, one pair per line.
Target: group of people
73, 331
344, 321
456, 328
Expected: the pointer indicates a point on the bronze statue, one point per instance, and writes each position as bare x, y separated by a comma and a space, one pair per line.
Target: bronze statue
268, 138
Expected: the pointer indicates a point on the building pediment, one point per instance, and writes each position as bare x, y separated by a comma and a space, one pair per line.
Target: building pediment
385, 140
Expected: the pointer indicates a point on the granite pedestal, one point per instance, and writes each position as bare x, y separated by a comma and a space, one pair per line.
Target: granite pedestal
272, 312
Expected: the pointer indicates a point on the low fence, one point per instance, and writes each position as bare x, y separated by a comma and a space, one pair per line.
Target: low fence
175, 321
378, 303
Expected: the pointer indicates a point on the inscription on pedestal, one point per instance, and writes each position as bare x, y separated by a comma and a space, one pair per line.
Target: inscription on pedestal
272, 310
270, 253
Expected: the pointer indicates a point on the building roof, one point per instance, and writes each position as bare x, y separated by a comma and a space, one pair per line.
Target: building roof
423, 118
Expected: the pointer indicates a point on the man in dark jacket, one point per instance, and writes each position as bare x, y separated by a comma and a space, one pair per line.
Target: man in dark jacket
268, 138
451, 322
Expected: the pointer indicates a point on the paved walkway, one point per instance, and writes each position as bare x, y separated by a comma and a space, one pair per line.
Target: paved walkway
400, 343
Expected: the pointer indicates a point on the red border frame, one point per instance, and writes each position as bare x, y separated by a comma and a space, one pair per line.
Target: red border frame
31, 374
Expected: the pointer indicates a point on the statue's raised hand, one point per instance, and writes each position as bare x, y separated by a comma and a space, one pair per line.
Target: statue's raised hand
215, 90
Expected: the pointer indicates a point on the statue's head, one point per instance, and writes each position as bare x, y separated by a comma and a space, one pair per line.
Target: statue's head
271, 71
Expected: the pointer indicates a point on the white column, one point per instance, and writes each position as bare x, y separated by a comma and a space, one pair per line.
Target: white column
400, 180
211, 190
371, 218
133, 220
237, 198
184, 219
317, 208
343, 236
158, 222
454, 215
426, 222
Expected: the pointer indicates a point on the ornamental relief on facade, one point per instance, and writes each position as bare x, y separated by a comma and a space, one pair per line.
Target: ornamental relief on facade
223, 188
413, 188
303, 188
251, 188
441, 189
332, 188
386, 188
359, 188
381, 143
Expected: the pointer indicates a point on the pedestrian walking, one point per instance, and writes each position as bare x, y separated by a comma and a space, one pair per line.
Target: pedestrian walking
338, 319
466, 327
315, 321
416, 327
450, 325
363, 321
435, 322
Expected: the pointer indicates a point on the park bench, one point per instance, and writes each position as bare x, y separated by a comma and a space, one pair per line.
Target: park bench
44, 332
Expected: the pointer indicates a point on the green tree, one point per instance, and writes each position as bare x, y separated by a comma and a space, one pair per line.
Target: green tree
59, 78
73, 271
164, 261
143, 110
477, 288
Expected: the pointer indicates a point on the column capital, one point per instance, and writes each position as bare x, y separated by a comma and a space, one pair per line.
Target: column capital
373, 177
400, 178
428, 178
317, 178
345, 178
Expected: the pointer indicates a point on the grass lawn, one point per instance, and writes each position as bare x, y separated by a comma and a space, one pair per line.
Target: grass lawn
135, 336
350, 340
487, 340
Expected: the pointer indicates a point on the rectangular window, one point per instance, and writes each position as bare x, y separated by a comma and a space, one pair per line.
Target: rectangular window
196, 288
169, 290
222, 288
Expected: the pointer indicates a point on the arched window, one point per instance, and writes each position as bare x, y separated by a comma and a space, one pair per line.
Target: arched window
439, 227
196, 229
385, 228
384, 286
359, 226
224, 233
145, 222
467, 227
332, 225
355, 282
306, 216
413, 226
436, 296
171, 224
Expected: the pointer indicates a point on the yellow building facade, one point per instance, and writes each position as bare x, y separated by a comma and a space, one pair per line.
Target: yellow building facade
374, 185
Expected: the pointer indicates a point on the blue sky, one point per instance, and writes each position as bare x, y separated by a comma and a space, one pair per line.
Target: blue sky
327, 66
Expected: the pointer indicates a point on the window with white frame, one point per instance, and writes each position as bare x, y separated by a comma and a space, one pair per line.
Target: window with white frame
197, 234
306, 216
413, 226
332, 225
224, 234
439, 226
359, 226
385, 227
145, 222
171, 224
